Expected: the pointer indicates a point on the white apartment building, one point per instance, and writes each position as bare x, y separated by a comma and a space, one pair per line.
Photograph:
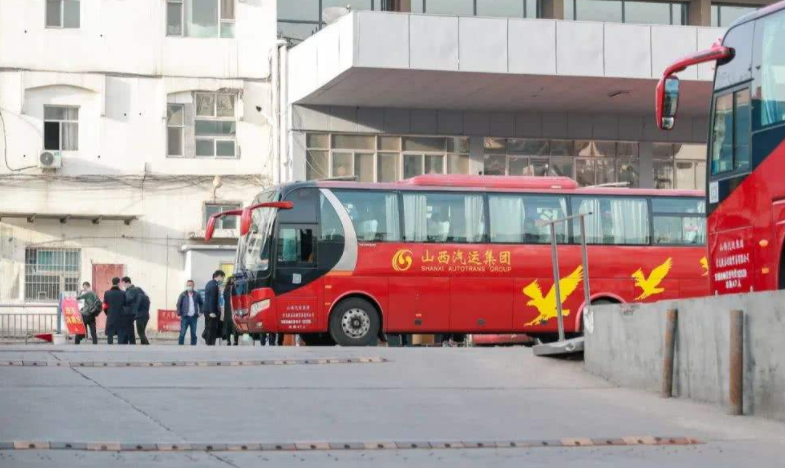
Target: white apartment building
154, 115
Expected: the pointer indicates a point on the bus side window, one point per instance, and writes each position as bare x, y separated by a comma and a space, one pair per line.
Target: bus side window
374, 214
679, 221
613, 220
770, 69
443, 217
295, 246
514, 218
730, 139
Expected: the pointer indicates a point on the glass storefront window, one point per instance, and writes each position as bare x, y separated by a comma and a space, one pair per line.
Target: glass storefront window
598, 10
363, 167
317, 165
354, 142
458, 164
500, 8
663, 174
626, 11
412, 165
722, 16
495, 164
450, 7
434, 164
627, 171
388, 167
342, 164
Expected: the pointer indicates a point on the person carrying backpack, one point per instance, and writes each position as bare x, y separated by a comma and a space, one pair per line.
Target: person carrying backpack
90, 310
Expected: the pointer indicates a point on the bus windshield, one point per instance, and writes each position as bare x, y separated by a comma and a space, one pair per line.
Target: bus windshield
253, 250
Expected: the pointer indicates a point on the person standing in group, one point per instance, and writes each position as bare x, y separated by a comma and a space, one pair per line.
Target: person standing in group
189, 307
212, 308
90, 310
114, 302
229, 330
138, 304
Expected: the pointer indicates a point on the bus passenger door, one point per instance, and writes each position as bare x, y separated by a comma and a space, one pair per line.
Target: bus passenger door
298, 282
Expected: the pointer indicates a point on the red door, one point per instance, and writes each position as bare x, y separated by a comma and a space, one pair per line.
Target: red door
102, 281
419, 304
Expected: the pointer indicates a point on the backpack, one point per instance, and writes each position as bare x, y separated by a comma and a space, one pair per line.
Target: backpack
144, 303
98, 306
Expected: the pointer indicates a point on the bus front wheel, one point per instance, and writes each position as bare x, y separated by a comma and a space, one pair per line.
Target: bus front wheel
354, 322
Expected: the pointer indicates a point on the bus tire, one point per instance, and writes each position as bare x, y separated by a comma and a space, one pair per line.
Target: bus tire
355, 322
317, 339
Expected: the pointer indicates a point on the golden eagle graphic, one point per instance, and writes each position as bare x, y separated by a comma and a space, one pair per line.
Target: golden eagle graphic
705, 266
649, 285
546, 306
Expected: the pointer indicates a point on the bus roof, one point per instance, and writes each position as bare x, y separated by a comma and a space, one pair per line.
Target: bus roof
476, 183
513, 182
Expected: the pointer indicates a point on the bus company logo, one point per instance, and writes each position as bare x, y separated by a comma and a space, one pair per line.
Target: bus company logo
650, 286
546, 306
705, 266
402, 260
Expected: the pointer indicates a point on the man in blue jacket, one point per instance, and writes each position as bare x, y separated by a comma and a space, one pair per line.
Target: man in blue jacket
189, 307
212, 308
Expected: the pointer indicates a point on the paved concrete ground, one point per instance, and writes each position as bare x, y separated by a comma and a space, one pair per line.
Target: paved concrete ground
418, 395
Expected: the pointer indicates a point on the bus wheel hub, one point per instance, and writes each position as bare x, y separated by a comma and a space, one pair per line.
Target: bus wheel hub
356, 323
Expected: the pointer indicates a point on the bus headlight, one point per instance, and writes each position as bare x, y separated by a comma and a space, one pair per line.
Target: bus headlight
260, 306
240, 312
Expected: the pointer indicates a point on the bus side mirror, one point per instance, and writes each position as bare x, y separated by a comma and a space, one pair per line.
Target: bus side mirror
245, 217
210, 230
667, 102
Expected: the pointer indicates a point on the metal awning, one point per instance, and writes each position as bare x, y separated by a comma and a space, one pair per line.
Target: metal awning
65, 217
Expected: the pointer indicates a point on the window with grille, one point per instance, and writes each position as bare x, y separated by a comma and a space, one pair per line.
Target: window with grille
50, 272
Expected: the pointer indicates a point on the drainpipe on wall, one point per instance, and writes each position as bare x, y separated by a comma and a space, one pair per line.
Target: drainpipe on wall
284, 124
276, 121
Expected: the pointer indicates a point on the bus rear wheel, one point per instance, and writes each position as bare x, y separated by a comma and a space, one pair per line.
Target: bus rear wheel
355, 322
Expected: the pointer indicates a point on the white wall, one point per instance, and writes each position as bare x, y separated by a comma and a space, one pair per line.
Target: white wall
129, 36
122, 122
121, 69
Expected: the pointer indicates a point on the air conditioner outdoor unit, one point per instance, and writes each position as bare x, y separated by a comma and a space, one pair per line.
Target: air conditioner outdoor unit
50, 160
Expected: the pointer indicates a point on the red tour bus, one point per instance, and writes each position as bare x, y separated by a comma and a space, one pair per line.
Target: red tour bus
339, 262
746, 151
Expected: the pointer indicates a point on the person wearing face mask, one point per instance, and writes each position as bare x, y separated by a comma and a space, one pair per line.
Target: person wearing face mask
189, 307
212, 308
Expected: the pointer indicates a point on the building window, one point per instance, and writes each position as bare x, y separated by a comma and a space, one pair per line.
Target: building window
588, 162
298, 20
371, 158
61, 128
488, 8
50, 272
724, 15
227, 222
200, 18
626, 11
175, 124
63, 14
215, 126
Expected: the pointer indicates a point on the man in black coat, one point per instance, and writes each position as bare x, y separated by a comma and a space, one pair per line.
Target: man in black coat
212, 308
138, 310
114, 302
